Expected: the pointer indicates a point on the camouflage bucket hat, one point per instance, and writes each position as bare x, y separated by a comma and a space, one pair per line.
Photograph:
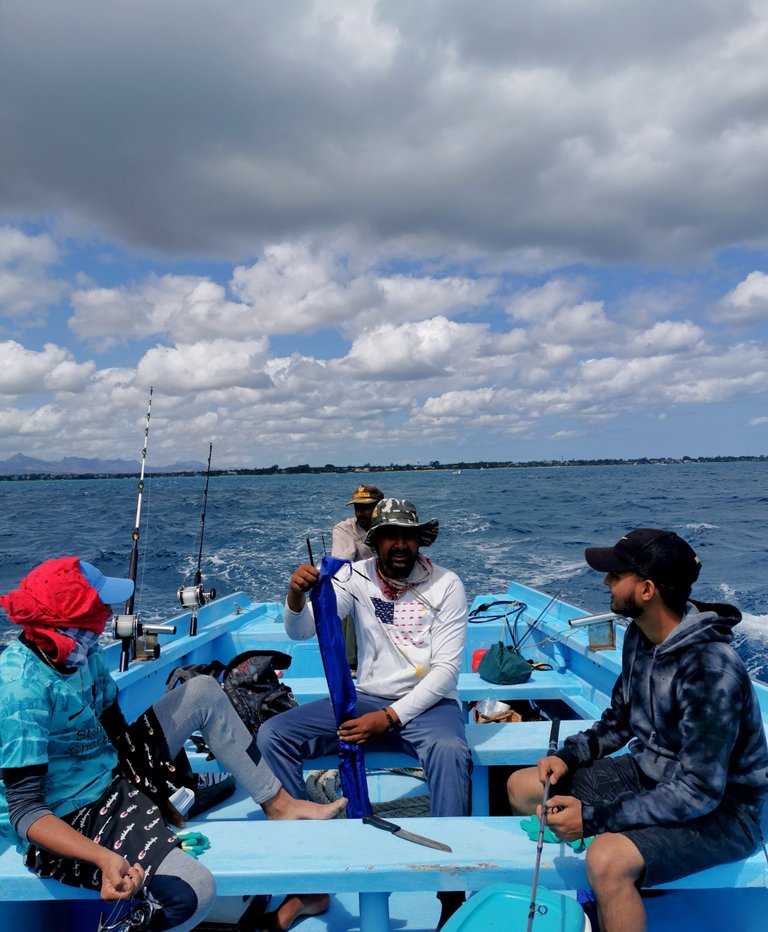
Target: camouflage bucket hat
399, 512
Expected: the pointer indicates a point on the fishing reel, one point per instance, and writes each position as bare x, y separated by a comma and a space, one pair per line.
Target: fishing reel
138, 917
139, 640
192, 598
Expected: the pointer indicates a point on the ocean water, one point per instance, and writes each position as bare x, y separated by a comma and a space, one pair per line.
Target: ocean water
497, 525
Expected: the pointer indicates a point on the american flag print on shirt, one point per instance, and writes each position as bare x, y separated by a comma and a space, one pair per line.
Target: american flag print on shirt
407, 622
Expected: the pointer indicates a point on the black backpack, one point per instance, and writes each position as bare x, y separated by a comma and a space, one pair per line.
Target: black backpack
250, 681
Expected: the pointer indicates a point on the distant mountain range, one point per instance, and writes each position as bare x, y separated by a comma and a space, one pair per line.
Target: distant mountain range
20, 465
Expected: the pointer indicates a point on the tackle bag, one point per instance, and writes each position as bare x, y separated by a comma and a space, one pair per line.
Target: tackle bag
503, 664
250, 681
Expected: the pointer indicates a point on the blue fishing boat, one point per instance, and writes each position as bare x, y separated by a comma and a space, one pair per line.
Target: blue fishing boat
378, 881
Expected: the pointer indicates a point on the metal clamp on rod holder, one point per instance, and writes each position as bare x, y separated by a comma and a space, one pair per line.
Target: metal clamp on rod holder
139, 640
599, 629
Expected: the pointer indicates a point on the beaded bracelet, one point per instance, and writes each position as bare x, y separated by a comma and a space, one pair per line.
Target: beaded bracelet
390, 719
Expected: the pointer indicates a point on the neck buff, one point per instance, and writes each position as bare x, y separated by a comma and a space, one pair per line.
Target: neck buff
394, 588
86, 642
56, 595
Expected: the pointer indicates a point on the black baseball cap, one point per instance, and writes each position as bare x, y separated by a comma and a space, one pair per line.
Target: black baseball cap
661, 556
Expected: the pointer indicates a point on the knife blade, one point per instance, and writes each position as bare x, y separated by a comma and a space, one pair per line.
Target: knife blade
388, 826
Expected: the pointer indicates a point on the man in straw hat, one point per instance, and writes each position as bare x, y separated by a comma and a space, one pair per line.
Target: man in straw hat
410, 616
689, 793
349, 535
349, 544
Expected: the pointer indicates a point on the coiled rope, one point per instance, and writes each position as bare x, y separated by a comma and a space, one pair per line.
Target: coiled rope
324, 786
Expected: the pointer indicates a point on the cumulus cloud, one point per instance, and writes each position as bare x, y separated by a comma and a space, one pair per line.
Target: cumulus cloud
204, 366
428, 348
585, 323
25, 372
747, 302
292, 288
667, 336
25, 263
186, 308
534, 304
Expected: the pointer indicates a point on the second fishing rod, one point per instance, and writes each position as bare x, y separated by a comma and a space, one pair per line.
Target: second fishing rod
194, 596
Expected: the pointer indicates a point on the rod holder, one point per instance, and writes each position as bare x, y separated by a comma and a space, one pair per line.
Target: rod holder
139, 640
600, 630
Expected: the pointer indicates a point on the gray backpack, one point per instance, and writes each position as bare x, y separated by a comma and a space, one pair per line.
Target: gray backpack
250, 681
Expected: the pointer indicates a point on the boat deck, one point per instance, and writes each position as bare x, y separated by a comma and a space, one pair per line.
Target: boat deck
360, 864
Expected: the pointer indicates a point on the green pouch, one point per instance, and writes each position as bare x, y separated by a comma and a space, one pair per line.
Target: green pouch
531, 826
194, 843
503, 664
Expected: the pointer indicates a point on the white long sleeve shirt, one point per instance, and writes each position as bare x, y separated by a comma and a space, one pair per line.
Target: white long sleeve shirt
409, 650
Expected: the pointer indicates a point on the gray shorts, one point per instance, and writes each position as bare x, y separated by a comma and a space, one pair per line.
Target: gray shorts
729, 833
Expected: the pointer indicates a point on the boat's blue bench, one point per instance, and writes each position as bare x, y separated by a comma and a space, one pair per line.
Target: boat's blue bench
543, 685
249, 855
491, 744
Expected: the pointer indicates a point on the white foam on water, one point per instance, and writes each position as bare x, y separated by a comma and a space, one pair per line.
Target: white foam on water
554, 570
727, 593
472, 524
755, 628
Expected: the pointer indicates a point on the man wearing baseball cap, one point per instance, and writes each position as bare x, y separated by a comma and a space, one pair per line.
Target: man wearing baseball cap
689, 793
349, 535
71, 768
348, 543
411, 620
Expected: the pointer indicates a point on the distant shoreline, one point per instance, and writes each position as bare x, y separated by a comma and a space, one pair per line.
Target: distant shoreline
434, 466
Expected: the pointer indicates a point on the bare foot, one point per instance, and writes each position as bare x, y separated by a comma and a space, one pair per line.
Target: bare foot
284, 806
296, 905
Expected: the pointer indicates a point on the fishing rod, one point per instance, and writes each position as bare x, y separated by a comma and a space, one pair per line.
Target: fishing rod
554, 735
532, 627
136, 638
134, 560
194, 596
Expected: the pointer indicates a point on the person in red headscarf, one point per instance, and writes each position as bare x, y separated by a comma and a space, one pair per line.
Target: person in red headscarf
65, 799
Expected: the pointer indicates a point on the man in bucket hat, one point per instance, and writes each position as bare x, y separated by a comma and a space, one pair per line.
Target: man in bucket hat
689, 794
411, 617
349, 544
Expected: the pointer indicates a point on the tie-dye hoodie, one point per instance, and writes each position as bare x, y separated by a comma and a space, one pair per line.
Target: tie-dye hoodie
692, 720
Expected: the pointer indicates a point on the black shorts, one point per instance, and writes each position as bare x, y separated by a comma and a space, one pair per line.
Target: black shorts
729, 833
122, 819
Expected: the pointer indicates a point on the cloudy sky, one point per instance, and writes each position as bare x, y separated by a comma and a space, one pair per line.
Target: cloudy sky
351, 231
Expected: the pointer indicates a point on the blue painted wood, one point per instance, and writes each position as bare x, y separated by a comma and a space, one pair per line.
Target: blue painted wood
491, 744
543, 684
252, 855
